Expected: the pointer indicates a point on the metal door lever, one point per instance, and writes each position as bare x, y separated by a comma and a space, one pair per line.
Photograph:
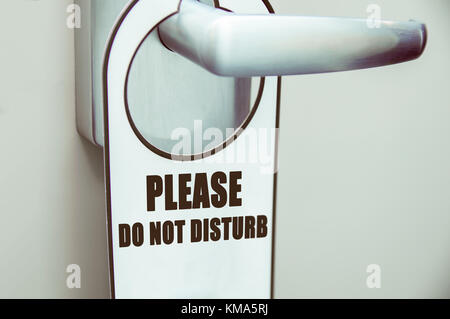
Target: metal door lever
237, 45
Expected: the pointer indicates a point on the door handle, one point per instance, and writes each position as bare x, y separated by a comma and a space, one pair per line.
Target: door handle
235, 46
238, 45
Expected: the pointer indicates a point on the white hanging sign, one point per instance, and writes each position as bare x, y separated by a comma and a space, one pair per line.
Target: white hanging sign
198, 227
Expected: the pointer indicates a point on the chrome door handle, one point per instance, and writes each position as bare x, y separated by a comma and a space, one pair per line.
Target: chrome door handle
237, 45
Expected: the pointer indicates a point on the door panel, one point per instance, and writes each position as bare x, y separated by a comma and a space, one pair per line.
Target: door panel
364, 169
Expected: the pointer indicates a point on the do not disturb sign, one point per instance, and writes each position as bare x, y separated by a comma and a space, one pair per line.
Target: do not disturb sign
223, 194
196, 227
